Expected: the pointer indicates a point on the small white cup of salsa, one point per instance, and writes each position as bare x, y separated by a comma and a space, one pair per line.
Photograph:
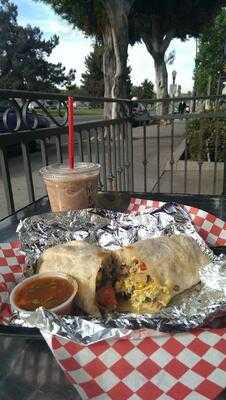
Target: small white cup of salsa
54, 291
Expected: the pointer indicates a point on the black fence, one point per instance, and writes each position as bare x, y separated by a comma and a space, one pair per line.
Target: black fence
139, 151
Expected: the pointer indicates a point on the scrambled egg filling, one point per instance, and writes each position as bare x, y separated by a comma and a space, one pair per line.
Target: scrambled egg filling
141, 289
131, 282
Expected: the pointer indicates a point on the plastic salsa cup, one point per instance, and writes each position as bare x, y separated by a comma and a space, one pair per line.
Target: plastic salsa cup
71, 189
62, 306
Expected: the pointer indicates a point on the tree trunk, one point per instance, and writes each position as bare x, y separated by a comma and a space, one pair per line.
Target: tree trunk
157, 42
120, 40
161, 80
108, 69
117, 11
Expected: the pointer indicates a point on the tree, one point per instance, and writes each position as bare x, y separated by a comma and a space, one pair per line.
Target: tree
76, 90
144, 91
210, 56
93, 78
23, 53
157, 24
108, 22
148, 89
118, 15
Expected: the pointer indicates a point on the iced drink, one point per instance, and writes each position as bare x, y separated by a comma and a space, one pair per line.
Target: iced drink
71, 189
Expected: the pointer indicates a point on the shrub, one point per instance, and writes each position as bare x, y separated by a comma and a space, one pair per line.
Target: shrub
205, 138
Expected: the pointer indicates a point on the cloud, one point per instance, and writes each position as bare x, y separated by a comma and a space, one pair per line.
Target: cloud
42, 15
73, 46
72, 55
142, 64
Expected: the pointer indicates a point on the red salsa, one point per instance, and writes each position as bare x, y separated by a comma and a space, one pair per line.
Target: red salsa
47, 292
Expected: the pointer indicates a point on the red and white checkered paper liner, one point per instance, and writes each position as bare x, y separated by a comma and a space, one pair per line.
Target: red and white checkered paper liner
11, 272
211, 228
179, 366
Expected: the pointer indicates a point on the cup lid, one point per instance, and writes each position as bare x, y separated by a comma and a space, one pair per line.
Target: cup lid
63, 171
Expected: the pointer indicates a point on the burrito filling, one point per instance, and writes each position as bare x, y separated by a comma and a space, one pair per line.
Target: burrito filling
130, 286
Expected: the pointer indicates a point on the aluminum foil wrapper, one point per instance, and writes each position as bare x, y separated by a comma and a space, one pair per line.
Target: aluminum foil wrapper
109, 229
194, 308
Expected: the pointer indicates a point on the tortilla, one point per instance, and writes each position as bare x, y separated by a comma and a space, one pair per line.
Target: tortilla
140, 278
153, 271
82, 261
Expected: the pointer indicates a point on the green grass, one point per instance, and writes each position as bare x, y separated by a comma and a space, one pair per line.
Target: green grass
89, 111
54, 113
79, 111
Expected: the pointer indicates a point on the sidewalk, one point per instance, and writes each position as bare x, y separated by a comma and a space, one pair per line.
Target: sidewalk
208, 176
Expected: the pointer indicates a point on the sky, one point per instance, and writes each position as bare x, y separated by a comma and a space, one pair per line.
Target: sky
74, 47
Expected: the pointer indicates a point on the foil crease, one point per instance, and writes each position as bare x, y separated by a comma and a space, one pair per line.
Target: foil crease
194, 308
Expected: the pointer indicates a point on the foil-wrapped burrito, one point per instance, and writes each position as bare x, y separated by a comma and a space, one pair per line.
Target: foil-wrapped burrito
178, 301
139, 278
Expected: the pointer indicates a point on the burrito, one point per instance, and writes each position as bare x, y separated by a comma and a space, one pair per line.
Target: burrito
82, 261
141, 278
148, 274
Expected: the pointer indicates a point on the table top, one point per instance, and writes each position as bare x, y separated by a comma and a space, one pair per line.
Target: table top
30, 372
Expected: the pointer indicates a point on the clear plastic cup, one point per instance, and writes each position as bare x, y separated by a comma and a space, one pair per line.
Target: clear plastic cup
71, 189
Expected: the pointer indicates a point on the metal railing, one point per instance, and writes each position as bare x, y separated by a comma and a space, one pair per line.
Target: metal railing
194, 162
27, 119
157, 156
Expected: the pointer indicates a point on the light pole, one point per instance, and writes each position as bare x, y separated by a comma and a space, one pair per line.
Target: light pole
174, 86
174, 74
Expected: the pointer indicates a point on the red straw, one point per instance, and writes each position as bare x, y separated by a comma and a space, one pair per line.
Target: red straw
71, 138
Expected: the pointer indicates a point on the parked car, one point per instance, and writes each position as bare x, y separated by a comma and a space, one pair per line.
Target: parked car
141, 116
43, 122
51, 104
